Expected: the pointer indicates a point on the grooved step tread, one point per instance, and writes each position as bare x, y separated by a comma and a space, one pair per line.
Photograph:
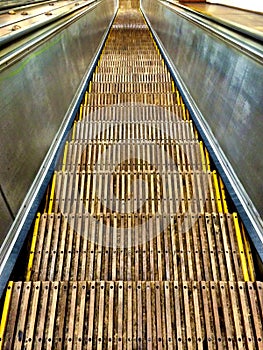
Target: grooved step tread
135, 315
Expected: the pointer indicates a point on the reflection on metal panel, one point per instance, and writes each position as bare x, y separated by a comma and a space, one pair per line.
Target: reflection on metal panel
36, 93
5, 218
226, 86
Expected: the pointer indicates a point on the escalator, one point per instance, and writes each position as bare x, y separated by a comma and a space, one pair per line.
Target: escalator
137, 245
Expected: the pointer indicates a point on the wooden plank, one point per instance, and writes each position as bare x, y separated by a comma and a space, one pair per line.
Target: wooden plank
22, 316
120, 312
220, 340
32, 316
91, 315
100, 315
61, 316
170, 340
256, 312
247, 318
52, 312
71, 316
198, 316
226, 317
9, 315
39, 339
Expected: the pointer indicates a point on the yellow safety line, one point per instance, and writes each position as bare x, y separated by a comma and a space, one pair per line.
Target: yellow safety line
65, 157
173, 87
207, 160
86, 97
250, 262
90, 86
218, 198
187, 115
196, 133
184, 115
241, 248
202, 155
74, 130
222, 188
81, 110
52, 193
178, 98
32, 249
5, 312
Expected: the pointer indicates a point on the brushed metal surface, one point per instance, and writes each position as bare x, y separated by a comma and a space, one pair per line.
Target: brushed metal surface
5, 219
35, 95
226, 86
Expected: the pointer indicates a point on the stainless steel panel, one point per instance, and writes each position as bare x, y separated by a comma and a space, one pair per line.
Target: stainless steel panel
5, 219
36, 93
226, 86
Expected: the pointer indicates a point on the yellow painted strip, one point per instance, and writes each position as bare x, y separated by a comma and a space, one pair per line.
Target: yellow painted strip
184, 114
218, 198
222, 188
81, 112
196, 133
74, 130
52, 193
90, 86
5, 312
65, 156
202, 155
178, 98
187, 115
173, 87
32, 249
86, 98
250, 262
207, 160
241, 248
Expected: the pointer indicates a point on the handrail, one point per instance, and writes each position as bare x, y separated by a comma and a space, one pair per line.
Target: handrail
249, 45
35, 38
42, 19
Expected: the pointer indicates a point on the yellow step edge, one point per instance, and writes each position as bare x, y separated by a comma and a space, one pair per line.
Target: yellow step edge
207, 157
65, 157
178, 98
52, 193
202, 155
173, 87
217, 190
241, 248
184, 113
250, 262
32, 249
86, 98
222, 188
74, 131
196, 133
5, 312
81, 111
90, 86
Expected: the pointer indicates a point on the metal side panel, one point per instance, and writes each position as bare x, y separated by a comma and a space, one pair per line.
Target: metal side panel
226, 86
5, 218
36, 93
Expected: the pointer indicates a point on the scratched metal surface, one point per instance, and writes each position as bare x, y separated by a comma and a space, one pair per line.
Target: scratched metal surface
36, 92
226, 86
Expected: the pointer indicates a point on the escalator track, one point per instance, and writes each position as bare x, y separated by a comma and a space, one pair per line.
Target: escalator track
136, 247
